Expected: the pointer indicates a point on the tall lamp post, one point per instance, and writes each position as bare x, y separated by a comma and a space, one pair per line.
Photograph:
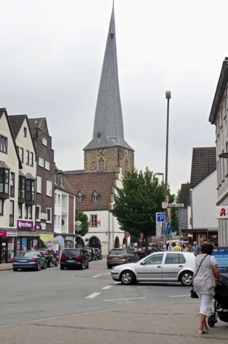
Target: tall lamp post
168, 97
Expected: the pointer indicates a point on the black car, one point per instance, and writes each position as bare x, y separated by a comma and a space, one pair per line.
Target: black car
72, 258
50, 255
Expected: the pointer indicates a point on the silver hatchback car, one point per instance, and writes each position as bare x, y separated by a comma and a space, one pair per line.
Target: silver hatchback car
157, 267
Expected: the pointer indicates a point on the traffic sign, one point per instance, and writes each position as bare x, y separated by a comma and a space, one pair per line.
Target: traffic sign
160, 217
168, 227
172, 205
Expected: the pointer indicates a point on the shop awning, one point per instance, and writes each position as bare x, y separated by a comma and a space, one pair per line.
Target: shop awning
46, 236
28, 234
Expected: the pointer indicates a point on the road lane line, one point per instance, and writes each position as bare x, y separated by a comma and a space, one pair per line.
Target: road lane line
107, 287
131, 298
97, 276
91, 296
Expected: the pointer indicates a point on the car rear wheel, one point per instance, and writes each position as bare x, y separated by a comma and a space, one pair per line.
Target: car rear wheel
61, 267
109, 266
14, 269
186, 278
45, 265
127, 277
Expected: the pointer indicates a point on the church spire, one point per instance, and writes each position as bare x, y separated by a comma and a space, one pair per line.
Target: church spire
108, 128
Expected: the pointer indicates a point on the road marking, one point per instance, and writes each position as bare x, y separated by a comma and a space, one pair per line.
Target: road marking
97, 276
106, 274
107, 287
91, 296
179, 295
127, 299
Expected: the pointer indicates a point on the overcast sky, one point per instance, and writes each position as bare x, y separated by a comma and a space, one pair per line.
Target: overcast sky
51, 55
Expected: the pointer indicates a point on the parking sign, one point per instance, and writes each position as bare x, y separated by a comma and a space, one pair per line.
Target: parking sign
160, 217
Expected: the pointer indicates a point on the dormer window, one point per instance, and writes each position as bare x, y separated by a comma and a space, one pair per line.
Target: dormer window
96, 196
80, 197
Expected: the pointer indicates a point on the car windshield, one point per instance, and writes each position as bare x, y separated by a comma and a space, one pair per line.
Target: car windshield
116, 252
29, 254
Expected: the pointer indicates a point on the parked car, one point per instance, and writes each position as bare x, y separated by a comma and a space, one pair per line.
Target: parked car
74, 258
159, 266
118, 256
50, 255
98, 253
145, 251
29, 260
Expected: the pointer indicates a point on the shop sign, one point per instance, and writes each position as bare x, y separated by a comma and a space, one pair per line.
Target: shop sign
38, 227
222, 212
12, 234
24, 224
2, 233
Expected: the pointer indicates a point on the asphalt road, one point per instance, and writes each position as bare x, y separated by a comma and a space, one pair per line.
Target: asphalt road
33, 295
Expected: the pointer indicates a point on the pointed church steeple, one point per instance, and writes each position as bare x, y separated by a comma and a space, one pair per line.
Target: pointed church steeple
108, 128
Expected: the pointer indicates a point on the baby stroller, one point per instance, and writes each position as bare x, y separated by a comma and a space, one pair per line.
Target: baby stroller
221, 302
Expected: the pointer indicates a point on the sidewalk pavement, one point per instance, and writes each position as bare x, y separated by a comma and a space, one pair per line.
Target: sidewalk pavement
172, 323
6, 266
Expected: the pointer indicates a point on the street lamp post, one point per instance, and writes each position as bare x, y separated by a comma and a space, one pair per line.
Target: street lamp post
160, 174
168, 97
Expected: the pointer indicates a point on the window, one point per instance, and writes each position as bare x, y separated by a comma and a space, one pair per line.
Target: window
31, 158
28, 211
47, 165
44, 141
20, 213
27, 157
4, 181
38, 184
101, 165
21, 189
3, 144
49, 188
29, 191
12, 184
25, 132
80, 197
21, 154
48, 212
11, 214
41, 162
1, 206
96, 196
93, 220
38, 211
155, 259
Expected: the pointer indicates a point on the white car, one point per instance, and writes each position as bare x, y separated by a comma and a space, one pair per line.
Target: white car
157, 267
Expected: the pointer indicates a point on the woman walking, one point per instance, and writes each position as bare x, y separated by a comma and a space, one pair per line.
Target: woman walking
204, 281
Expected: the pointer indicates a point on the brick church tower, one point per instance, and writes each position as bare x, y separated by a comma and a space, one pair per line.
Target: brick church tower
107, 151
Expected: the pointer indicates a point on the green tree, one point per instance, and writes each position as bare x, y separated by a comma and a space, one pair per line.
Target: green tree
136, 203
83, 218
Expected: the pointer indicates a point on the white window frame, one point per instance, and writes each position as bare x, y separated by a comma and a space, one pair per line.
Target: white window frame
48, 188
49, 214
38, 207
41, 162
47, 165
38, 184
44, 141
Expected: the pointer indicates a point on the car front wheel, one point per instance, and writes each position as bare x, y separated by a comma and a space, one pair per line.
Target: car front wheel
127, 277
186, 278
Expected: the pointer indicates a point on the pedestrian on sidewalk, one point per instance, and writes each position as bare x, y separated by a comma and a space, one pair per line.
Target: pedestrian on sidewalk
204, 281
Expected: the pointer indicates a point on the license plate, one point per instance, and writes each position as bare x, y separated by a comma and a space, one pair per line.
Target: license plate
23, 260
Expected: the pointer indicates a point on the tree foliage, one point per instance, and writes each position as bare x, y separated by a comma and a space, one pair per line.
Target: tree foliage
136, 203
83, 218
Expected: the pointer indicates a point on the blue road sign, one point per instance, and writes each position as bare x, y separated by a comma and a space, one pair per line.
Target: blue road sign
168, 227
160, 217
